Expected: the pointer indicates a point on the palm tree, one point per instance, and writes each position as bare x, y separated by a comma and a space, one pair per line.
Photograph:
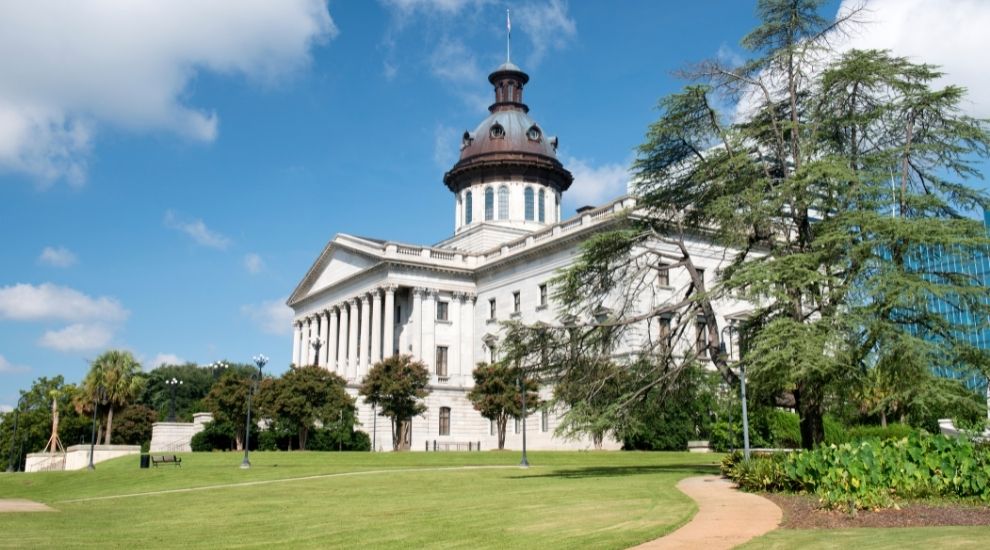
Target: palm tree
119, 373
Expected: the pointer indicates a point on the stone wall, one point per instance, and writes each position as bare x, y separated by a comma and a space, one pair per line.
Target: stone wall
176, 437
77, 457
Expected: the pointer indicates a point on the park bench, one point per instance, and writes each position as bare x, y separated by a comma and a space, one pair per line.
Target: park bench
165, 459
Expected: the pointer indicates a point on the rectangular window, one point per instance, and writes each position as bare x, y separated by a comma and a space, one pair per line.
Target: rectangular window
516, 302
543, 294
491, 308
491, 354
663, 275
491, 427
442, 311
701, 275
700, 336
664, 334
444, 420
544, 421
518, 426
441, 366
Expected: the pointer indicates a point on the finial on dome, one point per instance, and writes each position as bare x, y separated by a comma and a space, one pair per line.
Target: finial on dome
508, 36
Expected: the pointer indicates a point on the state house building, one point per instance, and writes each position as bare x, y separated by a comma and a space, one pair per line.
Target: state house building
366, 298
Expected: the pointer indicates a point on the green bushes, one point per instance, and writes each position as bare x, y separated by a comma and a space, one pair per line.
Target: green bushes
872, 473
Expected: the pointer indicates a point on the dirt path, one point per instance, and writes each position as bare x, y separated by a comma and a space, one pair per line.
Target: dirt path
22, 505
726, 517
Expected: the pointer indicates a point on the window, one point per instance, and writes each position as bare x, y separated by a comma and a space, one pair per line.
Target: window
528, 195
516, 302
518, 426
700, 336
663, 335
491, 308
701, 275
503, 203
544, 421
491, 354
442, 308
491, 427
441, 364
468, 204
663, 275
533, 133
444, 420
497, 132
489, 203
543, 295
541, 206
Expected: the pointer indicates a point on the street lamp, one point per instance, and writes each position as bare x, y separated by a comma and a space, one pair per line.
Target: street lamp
742, 385
13, 439
261, 361
101, 396
522, 393
317, 343
217, 367
173, 385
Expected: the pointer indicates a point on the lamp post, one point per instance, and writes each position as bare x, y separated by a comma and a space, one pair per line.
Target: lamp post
218, 367
13, 439
173, 385
101, 395
742, 386
261, 361
522, 393
316, 350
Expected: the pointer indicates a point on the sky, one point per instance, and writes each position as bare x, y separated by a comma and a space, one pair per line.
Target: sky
170, 170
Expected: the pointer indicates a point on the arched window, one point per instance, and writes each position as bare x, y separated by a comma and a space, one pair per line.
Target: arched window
541, 207
529, 204
468, 206
503, 203
444, 421
489, 203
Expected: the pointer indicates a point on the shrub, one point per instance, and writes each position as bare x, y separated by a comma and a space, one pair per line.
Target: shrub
835, 431
892, 431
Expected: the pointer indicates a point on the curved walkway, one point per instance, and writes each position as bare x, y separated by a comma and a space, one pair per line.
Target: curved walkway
726, 517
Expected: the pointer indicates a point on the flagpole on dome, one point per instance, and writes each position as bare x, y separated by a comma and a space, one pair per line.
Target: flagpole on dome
508, 35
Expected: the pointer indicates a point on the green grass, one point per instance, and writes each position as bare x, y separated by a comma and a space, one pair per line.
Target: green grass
586, 500
897, 538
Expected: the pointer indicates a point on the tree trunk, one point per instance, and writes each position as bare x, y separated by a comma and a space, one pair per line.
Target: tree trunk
303, 436
239, 440
811, 417
500, 426
883, 418
109, 425
396, 434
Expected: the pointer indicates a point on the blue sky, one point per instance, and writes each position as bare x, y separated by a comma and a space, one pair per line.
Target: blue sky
164, 185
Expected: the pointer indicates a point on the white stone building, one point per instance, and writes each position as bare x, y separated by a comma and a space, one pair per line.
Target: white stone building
364, 299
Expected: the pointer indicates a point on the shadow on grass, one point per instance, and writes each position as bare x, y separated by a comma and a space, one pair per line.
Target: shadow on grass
617, 471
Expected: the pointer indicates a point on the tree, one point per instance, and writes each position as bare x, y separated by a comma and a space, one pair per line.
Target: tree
838, 176
396, 386
228, 397
34, 422
119, 375
196, 384
305, 395
134, 424
497, 397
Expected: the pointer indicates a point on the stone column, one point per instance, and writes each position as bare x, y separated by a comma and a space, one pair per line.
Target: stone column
324, 339
466, 332
307, 350
428, 329
389, 332
342, 351
455, 314
416, 331
296, 339
352, 340
364, 344
332, 340
376, 326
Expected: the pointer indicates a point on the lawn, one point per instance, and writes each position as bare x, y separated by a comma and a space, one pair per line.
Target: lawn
897, 538
587, 500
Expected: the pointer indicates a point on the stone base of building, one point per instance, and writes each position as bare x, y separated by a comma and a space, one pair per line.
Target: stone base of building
176, 437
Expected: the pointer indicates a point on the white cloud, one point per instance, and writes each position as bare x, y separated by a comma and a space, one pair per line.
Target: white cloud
405, 8
57, 257
451, 60
548, 27
164, 359
594, 185
4, 408
273, 317
24, 302
77, 337
952, 34
253, 263
72, 67
445, 146
197, 230
6, 367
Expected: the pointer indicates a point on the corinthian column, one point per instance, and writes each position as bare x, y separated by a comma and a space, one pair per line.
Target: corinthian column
388, 346
324, 339
364, 340
296, 339
417, 322
376, 326
342, 341
352, 340
332, 340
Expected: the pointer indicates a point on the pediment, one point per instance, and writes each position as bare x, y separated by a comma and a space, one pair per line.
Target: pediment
335, 264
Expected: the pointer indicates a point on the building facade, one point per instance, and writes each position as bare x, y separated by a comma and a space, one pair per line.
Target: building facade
364, 299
